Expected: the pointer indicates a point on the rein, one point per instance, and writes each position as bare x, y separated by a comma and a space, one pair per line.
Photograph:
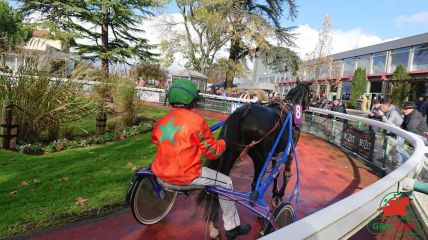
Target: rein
284, 106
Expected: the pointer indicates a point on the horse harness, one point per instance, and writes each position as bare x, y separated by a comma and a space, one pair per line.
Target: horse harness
285, 106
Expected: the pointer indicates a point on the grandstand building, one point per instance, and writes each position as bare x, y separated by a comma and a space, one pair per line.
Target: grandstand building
379, 61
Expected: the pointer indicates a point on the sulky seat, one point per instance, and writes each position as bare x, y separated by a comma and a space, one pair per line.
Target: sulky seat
186, 188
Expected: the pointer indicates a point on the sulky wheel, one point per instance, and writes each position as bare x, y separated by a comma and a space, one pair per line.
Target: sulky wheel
283, 216
147, 206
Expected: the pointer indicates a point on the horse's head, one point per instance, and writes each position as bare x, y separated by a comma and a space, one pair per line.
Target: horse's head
301, 94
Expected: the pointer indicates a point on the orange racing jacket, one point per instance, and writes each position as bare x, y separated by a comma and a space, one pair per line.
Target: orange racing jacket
182, 136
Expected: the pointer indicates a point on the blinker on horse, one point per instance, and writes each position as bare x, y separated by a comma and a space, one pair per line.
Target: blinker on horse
252, 129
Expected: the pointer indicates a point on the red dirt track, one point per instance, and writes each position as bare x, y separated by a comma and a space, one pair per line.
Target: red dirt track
327, 175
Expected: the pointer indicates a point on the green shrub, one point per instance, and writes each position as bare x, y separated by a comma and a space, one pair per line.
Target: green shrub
400, 90
124, 96
67, 132
358, 86
52, 132
42, 103
113, 125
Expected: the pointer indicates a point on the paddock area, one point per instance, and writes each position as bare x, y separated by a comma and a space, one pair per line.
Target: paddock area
327, 176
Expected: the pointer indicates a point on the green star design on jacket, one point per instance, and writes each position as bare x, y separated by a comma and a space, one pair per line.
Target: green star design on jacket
168, 131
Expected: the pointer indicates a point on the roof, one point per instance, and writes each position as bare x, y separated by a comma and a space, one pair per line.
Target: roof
399, 43
41, 44
189, 73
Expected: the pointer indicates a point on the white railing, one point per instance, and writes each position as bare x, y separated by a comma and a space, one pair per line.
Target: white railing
344, 218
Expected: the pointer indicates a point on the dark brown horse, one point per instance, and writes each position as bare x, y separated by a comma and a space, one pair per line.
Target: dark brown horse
259, 124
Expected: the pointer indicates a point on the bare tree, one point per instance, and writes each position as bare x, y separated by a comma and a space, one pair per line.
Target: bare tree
319, 63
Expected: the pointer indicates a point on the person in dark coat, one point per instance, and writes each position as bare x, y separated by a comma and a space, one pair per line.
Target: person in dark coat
419, 103
374, 114
424, 109
413, 120
338, 106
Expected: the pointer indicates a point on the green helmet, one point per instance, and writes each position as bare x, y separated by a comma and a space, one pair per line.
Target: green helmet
182, 91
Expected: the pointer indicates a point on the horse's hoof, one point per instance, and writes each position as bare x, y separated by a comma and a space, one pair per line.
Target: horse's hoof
215, 236
214, 232
276, 201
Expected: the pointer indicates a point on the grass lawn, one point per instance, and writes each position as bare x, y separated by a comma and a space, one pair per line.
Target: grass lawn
41, 191
86, 126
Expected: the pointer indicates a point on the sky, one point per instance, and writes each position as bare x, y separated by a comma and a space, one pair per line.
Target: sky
354, 24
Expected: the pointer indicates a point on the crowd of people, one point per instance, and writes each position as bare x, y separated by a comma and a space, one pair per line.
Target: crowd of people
413, 117
257, 95
234, 92
321, 101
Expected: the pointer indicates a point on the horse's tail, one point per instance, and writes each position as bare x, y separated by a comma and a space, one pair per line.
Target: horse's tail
211, 205
209, 201
233, 122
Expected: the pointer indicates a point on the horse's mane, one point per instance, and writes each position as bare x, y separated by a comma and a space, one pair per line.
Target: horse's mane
297, 92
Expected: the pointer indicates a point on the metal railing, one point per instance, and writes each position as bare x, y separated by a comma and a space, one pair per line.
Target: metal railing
389, 150
344, 218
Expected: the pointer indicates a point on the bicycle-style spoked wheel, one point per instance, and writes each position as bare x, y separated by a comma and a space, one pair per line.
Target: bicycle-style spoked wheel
283, 216
147, 206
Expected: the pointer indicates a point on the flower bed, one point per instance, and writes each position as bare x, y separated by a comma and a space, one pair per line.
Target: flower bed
65, 144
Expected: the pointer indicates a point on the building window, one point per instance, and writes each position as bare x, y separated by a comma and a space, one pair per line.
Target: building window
324, 71
348, 67
333, 87
376, 87
399, 56
336, 69
346, 90
420, 58
379, 60
363, 62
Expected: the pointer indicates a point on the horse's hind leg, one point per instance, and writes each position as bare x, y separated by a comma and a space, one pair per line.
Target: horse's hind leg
258, 156
275, 200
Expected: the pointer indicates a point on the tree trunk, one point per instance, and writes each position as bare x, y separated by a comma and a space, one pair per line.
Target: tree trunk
104, 39
233, 58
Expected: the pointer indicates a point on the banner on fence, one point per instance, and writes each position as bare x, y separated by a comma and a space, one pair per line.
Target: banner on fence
359, 141
149, 96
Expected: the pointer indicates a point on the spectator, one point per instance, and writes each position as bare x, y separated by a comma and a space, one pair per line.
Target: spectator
390, 113
338, 106
359, 102
419, 103
323, 97
413, 120
374, 112
223, 92
322, 103
424, 109
364, 103
314, 100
